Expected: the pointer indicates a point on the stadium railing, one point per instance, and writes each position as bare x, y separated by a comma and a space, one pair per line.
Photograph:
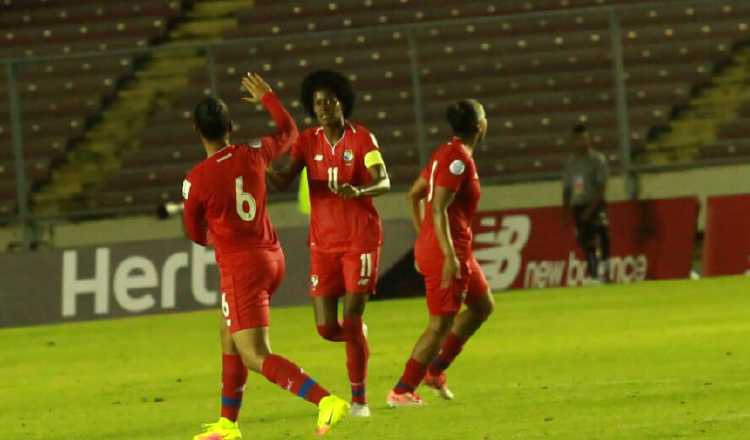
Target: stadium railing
604, 61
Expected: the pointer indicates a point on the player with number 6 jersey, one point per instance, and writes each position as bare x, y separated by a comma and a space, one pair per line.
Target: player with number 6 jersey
448, 187
345, 170
225, 203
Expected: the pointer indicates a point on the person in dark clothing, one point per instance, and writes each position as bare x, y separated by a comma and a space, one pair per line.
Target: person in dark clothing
584, 184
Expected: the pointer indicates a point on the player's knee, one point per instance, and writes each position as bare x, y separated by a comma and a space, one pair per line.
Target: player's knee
440, 325
352, 328
330, 332
483, 308
488, 307
252, 361
227, 344
253, 358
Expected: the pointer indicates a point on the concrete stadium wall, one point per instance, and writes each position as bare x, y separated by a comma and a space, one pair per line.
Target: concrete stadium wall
704, 182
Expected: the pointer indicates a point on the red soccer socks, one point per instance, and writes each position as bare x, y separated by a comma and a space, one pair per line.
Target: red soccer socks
286, 374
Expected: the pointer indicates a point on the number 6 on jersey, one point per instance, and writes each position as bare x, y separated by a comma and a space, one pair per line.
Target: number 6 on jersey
243, 198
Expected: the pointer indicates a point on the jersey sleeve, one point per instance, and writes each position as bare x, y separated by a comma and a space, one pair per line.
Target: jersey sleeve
286, 134
297, 152
370, 150
193, 216
451, 171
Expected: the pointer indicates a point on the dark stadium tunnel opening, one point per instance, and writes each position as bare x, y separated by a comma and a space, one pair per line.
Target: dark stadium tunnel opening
401, 280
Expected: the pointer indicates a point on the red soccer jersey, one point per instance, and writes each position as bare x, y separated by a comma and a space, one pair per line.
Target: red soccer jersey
337, 224
225, 194
451, 166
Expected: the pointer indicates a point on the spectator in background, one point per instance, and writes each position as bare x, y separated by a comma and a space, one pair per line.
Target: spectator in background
584, 184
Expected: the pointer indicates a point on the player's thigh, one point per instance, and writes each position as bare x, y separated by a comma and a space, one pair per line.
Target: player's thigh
326, 309
326, 274
355, 303
479, 297
360, 269
441, 324
225, 336
253, 346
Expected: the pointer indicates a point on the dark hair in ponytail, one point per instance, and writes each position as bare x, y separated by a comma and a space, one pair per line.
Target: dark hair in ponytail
463, 116
211, 116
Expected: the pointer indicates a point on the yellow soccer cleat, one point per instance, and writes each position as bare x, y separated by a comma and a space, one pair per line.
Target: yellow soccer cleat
331, 411
224, 429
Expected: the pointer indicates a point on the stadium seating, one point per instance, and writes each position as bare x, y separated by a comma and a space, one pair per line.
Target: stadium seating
60, 96
537, 75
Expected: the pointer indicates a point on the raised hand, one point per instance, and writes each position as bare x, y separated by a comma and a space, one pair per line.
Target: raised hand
255, 86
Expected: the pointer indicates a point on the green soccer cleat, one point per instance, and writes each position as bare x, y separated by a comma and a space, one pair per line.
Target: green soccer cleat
224, 429
331, 411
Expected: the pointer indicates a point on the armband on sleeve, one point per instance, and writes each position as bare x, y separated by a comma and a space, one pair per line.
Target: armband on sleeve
373, 158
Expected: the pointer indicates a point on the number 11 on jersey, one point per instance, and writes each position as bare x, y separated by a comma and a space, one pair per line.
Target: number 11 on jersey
333, 179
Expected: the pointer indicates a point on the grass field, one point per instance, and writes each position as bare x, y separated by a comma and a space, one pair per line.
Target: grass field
649, 361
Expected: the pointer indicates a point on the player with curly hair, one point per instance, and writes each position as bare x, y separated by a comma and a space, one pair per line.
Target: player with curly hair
345, 170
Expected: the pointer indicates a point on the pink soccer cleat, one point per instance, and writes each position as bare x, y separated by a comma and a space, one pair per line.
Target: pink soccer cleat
406, 399
438, 383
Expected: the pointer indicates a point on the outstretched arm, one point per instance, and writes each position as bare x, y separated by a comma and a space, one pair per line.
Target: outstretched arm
286, 129
281, 179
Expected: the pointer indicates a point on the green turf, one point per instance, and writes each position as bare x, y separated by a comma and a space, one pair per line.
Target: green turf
654, 360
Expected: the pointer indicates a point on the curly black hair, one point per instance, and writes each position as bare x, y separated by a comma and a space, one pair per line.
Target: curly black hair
211, 116
332, 81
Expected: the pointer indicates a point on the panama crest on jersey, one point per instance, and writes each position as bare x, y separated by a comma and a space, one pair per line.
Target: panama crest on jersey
348, 155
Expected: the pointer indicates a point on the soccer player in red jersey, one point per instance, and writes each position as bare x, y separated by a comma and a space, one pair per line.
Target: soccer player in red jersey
225, 199
449, 187
344, 171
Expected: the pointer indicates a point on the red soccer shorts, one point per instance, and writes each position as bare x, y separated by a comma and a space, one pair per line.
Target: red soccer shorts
447, 301
338, 273
248, 280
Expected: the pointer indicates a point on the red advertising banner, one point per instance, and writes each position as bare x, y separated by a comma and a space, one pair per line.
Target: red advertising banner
531, 248
726, 247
